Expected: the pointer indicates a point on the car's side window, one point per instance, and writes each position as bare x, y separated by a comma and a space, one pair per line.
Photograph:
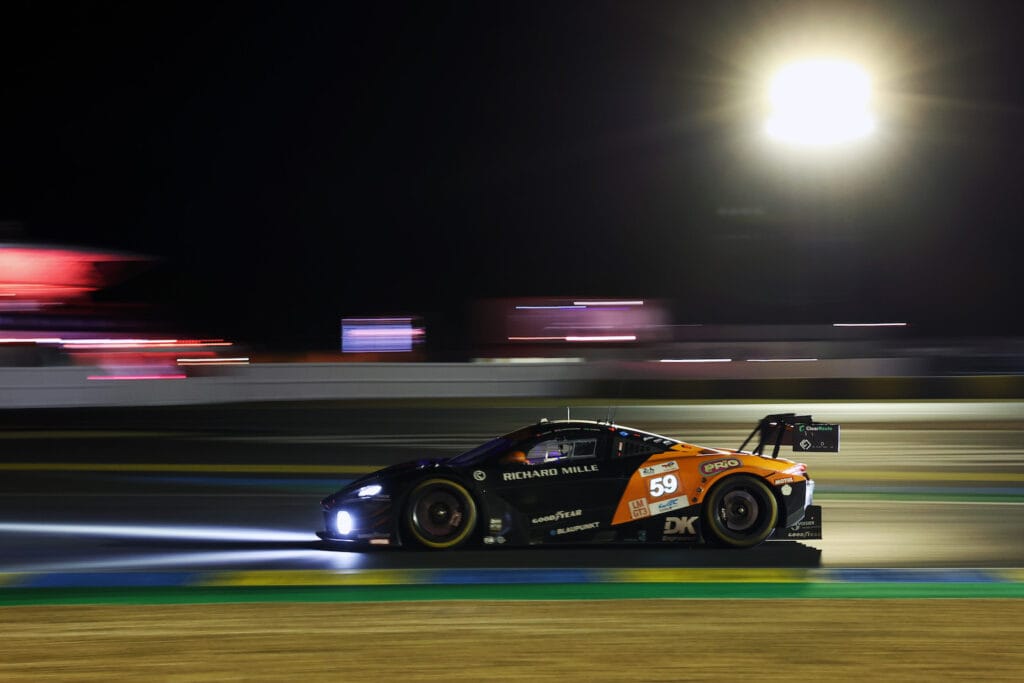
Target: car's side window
559, 446
629, 447
562, 448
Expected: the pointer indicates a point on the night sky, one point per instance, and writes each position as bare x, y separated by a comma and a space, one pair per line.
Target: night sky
290, 163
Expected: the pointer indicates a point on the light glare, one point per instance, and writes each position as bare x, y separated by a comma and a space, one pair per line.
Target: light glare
368, 491
820, 103
344, 522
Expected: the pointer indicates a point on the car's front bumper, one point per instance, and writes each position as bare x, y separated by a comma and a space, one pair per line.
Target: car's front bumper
365, 521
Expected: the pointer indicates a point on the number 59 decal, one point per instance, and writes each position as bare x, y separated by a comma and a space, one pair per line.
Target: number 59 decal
663, 485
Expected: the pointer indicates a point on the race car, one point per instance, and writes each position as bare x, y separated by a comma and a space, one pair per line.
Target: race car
580, 481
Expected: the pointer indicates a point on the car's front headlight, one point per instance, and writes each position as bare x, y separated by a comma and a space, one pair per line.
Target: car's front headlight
368, 491
344, 522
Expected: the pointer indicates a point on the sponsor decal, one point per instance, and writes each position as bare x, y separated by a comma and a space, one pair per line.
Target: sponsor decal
529, 474
784, 480
573, 529
817, 437
786, 489
491, 540
579, 469
660, 468
720, 465
479, 475
548, 472
680, 526
667, 505
805, 529
810, 534
556, 516
495, 524
638, 508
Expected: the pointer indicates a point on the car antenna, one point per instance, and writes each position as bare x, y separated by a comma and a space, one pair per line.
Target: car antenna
612, 407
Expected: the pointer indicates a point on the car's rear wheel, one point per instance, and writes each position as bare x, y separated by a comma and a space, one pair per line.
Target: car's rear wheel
740, 511
440, 514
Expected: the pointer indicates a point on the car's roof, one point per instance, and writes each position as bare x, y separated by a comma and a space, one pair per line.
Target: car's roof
559, 425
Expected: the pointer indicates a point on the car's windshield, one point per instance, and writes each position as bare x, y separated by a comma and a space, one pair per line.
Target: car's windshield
481, 452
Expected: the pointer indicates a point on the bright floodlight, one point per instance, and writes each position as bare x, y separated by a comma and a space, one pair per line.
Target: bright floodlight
820, 103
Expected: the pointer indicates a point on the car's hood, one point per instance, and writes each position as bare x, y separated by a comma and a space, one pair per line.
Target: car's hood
390, 472
404, 468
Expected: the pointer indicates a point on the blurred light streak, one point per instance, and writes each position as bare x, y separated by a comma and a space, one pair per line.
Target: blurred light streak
33, 340
549, 308
532, 359
53, 273
869, 324
603, 338
114, 343
229, 558
380, 335
381, 332
105, 342
121, 467
20, 305
594, 338
634, 302
781, 360
536, 338
127, 377
695, 360
181, 533
213, 361
141, 354
138, 343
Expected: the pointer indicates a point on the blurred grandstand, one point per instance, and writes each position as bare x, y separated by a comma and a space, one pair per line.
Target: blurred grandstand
49, 315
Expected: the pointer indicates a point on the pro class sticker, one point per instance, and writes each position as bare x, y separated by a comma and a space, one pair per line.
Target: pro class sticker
638, 508
720, 465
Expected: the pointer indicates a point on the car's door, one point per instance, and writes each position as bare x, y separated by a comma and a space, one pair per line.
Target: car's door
562, 483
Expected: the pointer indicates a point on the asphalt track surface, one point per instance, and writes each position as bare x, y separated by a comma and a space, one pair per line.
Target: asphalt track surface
237, 487
117, 525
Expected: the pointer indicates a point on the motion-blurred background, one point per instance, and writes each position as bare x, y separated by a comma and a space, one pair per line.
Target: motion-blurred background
578, 180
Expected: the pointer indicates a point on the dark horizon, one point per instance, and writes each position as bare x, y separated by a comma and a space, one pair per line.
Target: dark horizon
292, 164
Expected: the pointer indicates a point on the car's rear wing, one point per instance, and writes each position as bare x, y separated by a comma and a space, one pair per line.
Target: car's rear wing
799, 431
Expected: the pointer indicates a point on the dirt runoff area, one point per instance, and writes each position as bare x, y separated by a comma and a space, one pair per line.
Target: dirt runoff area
613, 640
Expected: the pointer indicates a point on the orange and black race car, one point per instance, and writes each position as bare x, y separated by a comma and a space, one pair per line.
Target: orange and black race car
577, 481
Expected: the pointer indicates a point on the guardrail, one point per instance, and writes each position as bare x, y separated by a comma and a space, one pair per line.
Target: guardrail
34, 387
84, 386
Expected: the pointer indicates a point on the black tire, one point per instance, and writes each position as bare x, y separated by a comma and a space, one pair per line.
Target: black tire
740, 512
440, 514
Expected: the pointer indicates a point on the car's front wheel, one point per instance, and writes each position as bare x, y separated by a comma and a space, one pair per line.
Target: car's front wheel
440, 514
740, 512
